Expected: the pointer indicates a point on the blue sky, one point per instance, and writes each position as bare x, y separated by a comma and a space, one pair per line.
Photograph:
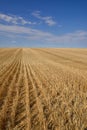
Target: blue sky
43, 23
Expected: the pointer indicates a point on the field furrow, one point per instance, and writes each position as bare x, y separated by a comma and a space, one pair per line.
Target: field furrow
43, 89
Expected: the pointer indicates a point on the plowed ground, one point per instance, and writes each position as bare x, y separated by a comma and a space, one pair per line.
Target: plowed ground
43, 89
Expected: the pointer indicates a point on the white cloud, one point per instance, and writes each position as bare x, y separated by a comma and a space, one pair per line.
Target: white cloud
24, 32
13, 41
37, 35
47, 19
14, 19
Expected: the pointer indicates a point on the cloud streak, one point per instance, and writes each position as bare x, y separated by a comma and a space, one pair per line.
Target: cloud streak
37, 35
15, 19
46, 19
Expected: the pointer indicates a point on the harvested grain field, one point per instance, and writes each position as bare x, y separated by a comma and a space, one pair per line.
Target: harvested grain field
43, 89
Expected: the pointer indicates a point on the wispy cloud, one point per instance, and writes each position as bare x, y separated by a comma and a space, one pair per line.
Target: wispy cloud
14, 19
37, 35
13, 41
18, 20
47, 19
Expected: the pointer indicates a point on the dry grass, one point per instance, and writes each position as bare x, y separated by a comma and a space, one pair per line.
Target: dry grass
43, 89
